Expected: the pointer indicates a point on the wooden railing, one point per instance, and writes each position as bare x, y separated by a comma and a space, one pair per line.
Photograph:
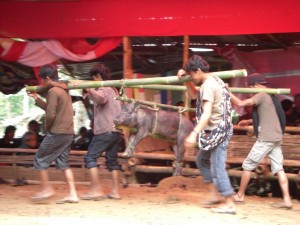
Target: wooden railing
18, 163
13, 162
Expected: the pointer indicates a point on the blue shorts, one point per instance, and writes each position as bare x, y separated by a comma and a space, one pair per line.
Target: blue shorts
54, 147
109, 143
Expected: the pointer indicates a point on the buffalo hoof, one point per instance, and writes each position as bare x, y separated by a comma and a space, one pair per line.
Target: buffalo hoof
177, 172
126, 155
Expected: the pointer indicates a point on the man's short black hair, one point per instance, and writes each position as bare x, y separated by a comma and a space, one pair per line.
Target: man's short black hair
82, 129
26, 137
296, 96
10, 128
33, 122
49, 70
196, 62
100, 70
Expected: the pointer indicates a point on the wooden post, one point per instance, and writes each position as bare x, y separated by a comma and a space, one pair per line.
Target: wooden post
127, 63
186, 98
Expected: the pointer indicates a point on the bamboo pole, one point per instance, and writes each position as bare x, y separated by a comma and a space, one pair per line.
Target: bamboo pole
250, 128
141, 81
135, 161
195, 172
164, 169
152, 104
230, 160
282, 91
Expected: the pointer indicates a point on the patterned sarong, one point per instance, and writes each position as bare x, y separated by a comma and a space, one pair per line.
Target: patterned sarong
222, 130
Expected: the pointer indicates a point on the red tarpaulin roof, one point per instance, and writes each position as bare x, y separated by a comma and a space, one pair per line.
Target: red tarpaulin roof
107, 18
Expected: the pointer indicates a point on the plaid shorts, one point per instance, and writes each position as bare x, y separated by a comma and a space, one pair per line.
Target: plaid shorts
55, 147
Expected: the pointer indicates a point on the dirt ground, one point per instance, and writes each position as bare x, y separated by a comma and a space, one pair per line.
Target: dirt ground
176, 200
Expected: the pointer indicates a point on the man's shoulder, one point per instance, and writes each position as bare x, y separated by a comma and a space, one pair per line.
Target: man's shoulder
261, 98
261, 95
54, 89
111, 91
57, 90
214, 82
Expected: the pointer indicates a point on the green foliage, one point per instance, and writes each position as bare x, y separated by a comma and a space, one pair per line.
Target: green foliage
13, 108
13, 112
19, 109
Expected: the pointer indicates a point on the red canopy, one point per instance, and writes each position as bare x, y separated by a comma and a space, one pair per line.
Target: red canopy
108, 18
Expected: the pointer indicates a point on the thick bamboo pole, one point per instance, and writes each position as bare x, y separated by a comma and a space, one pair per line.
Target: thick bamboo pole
230, 160
195, 172
164, 169
250, 128
282, 91
269, 176
141, 81
135, 161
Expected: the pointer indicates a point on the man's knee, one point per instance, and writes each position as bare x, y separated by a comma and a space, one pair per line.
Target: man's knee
90, 162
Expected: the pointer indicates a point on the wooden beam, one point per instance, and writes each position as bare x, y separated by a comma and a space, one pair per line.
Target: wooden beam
127, 66
186, 97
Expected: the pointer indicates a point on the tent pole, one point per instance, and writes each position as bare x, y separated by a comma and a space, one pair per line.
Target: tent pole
127, 64
186, 99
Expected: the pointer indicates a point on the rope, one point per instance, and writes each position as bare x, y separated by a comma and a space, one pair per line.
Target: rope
122, 89
155, 123
180, 121
182, 110
130, 146
176, 163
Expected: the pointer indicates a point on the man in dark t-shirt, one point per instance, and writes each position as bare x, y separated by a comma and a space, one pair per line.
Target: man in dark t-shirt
268, 142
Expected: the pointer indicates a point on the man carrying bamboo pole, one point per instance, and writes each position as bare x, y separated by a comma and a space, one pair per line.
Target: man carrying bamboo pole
60, 134
269, 128
212, 132
106, 138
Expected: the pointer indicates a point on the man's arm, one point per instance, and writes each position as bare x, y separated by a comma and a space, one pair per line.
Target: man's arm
38, 101
99, 97
191, 140
241, 103
207, 110
245, 122
52, 100
41, 103
191, 89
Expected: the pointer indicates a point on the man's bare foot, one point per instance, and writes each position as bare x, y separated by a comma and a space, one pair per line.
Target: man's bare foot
282, 206
68, 199
113, 196
225, 209
43, 195
96, 196
212, 201
238, 198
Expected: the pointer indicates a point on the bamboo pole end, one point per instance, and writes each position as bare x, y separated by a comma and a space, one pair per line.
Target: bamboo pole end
245, 72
